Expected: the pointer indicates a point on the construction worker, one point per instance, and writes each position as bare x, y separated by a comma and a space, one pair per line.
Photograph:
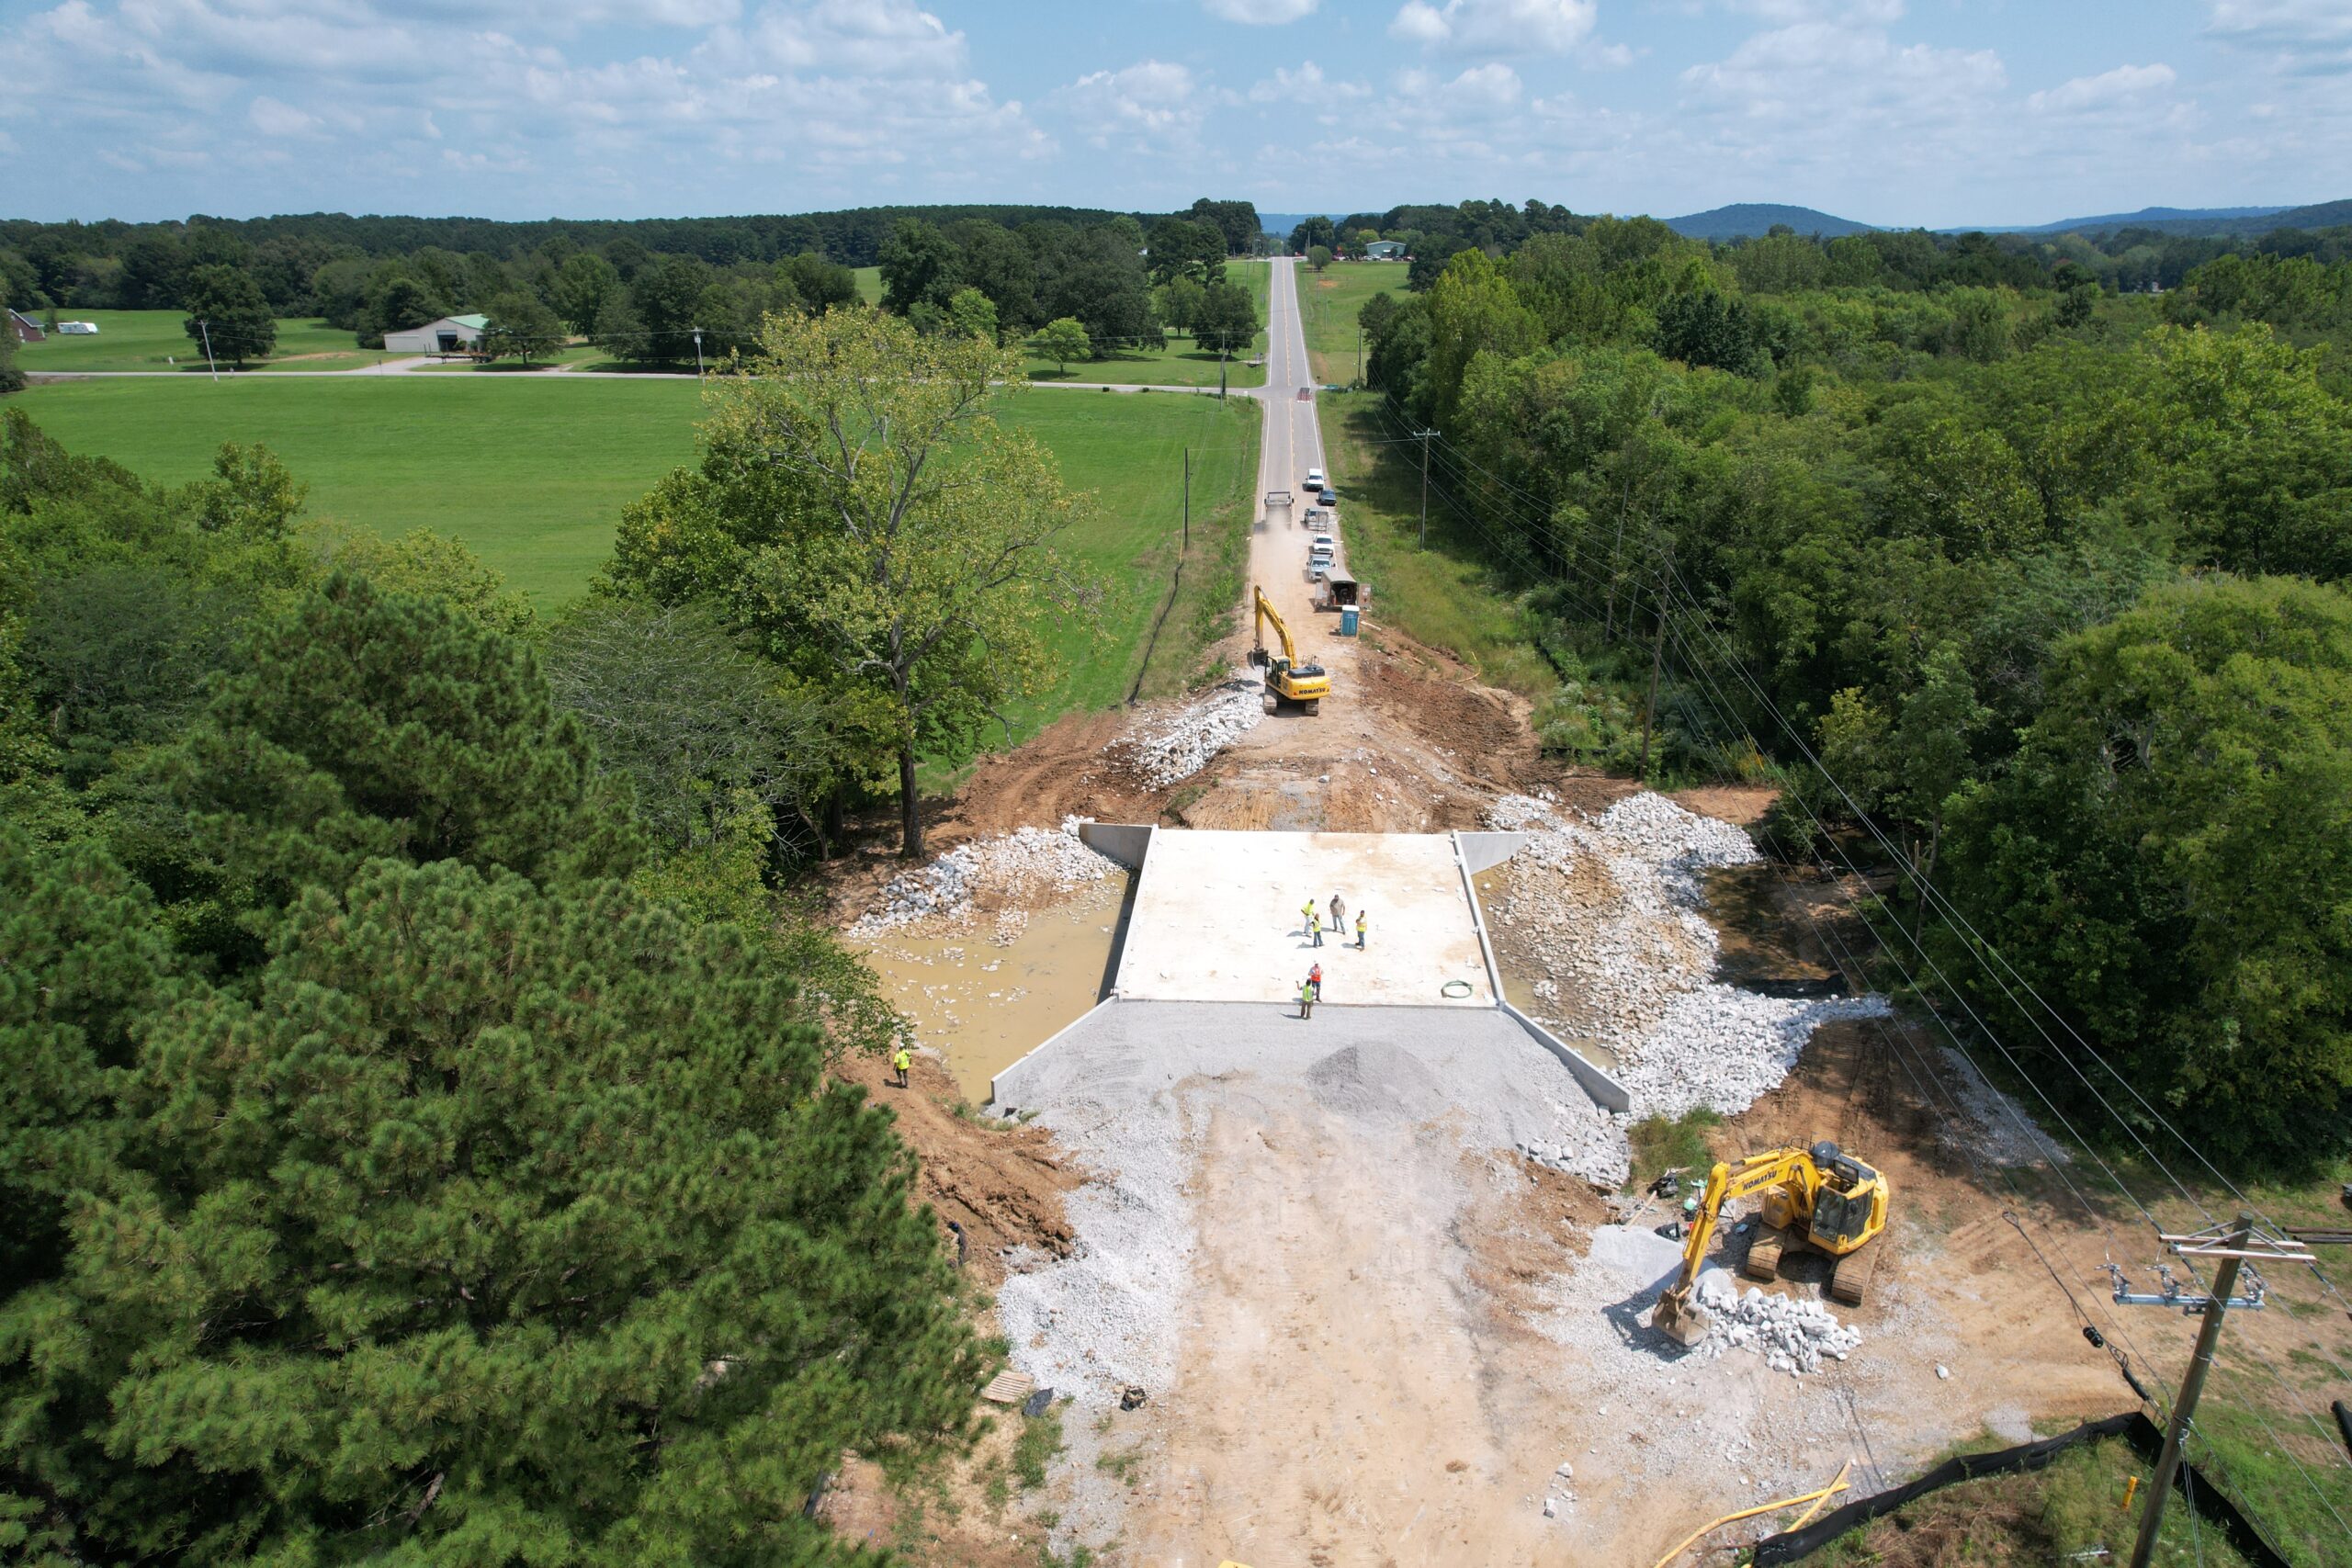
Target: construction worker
900, 1062
1314, 978
1306, 914
1314, 925
1690, 1218
1306, 998
1339, 915
1359, 931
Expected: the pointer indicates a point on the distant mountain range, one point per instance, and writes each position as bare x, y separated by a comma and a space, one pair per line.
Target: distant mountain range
1755, 219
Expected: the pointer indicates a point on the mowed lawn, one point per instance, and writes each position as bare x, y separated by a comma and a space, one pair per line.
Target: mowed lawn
1179, 362
532, 474
153, 340
1327, 303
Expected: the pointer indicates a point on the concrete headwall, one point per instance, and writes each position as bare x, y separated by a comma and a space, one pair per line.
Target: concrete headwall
1126, 842
1606, 1091
1480, 851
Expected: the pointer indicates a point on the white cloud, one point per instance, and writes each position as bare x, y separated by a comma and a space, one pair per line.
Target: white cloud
2123, 85
273, 118
1496, 27
1306, 87
2305, 37
1261, 12
1155, 103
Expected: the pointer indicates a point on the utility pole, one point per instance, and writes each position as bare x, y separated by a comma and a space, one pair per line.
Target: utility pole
1658, 658
1425, 435
1221, 354
697, 352
205, 327
2234, 1245
1188, 498
1359, 353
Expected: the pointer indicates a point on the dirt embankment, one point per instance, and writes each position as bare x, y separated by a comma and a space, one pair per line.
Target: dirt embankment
1002, 1183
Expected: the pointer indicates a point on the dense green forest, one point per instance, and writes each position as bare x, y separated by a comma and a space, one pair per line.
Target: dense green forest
2050, 579
657, 290
419, 1138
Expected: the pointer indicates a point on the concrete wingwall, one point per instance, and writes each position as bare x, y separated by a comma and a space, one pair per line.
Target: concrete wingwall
1480, 851
1606, 1091
1126, 842
1004, 1088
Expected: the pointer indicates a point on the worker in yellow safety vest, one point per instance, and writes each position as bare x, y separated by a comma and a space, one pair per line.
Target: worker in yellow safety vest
900, 1062
1359, 931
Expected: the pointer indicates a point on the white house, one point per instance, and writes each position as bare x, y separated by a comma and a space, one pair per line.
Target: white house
450, 334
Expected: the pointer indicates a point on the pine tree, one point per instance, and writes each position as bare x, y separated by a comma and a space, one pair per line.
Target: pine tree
490, 1224
370, 724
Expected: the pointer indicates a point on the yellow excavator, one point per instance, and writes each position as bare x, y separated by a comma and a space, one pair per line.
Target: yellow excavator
1818, 1198
1289, 679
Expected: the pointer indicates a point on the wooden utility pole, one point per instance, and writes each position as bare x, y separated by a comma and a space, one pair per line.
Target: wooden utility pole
2232, 1246
1425, 435
1188, 498
1658, 658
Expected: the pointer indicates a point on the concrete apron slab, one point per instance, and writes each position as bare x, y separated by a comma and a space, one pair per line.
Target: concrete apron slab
1219, 918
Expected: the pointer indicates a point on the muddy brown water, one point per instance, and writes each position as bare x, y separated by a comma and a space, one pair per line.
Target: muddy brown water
984, 991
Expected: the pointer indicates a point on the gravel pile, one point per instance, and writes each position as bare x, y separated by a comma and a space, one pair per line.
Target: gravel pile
1792, 1333
1586, 1141
1104, 1318
1612, 908
1168, 747
1027, 862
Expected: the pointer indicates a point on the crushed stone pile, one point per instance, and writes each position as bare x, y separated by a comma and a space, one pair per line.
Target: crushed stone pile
1792, 1333
1613, 907
1168, 747
1025, 863
1584, 1141
1376, 1080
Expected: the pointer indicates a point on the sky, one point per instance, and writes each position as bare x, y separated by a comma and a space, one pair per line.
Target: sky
1894, 112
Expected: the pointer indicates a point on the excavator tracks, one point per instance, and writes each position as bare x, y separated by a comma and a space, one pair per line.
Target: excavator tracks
1849, 1282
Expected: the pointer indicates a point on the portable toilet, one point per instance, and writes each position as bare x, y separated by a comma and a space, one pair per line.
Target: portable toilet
1348, 620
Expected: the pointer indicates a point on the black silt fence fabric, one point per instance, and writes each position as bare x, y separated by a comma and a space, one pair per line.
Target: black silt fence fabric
2196, 1487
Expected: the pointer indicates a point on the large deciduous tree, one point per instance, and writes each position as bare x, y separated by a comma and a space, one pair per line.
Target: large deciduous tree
2168, 861
860, 512
521, 324
228, 313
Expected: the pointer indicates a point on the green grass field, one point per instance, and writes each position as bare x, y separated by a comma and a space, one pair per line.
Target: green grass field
869, 284
532, 476
1327, 303
153, 340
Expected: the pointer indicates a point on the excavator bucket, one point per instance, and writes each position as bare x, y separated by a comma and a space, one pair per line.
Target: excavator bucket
1680, 1319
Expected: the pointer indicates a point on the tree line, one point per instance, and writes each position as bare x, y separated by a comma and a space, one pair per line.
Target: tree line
2049, 577
423, 1139
539, 284
1086, 292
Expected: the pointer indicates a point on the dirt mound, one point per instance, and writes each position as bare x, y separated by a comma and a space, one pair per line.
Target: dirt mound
1002, 1183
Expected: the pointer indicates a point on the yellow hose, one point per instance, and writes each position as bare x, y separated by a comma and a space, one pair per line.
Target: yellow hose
1816, 1499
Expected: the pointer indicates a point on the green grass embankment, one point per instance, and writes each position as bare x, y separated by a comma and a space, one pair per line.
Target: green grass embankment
157, 340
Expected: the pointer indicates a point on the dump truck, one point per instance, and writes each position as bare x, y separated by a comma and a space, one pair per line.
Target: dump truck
1818, 1198
1288, 678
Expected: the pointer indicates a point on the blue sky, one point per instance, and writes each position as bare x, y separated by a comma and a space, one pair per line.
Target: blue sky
1935, 112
